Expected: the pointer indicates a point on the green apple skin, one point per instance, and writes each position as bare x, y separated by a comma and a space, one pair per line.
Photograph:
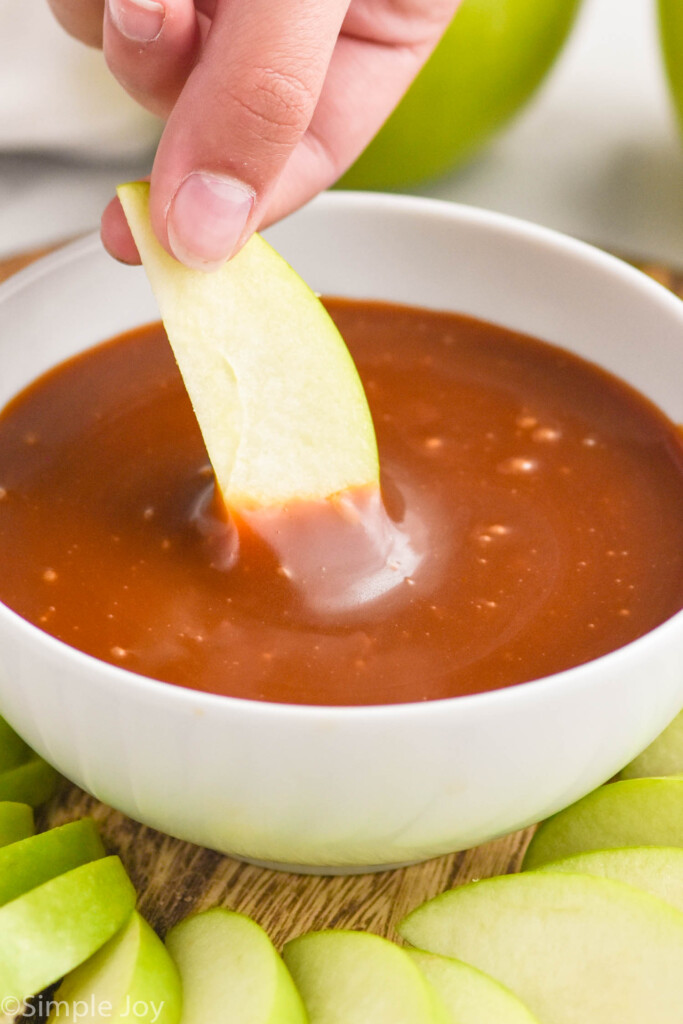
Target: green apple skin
35, 860
664, 756
349, 977
13, 750
132, 977
227, 960
654, 869
671, 35
52, 929
469, 995
573, 948
492, 57
634, 812
276, 394
32, 783
16, 822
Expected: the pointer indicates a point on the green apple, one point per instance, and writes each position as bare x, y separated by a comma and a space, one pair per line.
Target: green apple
131, 978
31, 783
664, 756
470, 996
655, 869
635, 812
16, 822
491, 59
275, 391
348, 977
13, 750
33, 861
573, 948
227, 961
47, 932
671, 34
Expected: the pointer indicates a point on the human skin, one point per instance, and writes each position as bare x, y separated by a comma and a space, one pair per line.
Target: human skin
266, 102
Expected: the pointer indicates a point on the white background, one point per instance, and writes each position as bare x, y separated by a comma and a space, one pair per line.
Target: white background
596, 153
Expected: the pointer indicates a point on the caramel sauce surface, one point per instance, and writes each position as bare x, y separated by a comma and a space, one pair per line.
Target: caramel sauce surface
534, 521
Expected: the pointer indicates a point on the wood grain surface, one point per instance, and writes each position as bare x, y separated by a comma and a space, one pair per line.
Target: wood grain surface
174, 878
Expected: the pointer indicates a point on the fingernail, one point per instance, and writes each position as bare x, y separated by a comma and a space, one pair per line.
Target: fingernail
206, 219
139, 20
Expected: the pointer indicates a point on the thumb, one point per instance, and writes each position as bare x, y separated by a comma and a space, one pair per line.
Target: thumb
243, 110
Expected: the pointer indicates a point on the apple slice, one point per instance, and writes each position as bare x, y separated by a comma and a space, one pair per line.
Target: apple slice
469, 995
16, 822
573, 948
275, 391
52, 929
13, 750
227, 961
664, 756
30, 783
348, 977
655, 869
636, 812
33, 861
131, 977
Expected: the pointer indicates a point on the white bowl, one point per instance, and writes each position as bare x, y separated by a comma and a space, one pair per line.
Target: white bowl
319, 788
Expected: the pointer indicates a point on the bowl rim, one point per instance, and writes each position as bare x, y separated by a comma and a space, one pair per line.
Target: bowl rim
185, 697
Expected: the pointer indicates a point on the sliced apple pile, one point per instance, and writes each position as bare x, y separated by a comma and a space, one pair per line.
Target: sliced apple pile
68, 909
275, 391
573, 947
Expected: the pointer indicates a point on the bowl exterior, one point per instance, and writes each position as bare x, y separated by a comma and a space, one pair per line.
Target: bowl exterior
354, 788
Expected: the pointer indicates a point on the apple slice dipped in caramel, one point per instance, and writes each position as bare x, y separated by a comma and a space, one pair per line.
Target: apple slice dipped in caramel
275, 391
285, 421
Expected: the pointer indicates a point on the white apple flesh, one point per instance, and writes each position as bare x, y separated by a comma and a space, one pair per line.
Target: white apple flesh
230, 971
655, 869
573, 948
469, 995
348, 977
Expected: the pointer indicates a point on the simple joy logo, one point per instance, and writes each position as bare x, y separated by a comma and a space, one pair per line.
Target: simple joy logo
81, 1009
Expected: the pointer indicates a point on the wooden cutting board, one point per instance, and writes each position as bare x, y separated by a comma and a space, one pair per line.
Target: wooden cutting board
174, 878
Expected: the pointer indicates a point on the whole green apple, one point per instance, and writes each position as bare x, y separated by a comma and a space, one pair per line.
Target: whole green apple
490, 60
671, 32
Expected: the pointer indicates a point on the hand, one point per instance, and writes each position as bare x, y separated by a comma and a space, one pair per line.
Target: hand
266, 102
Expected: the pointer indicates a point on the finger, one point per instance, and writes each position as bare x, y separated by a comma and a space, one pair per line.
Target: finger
244, 108
368, 75
81, 19
151, 47
116, 236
